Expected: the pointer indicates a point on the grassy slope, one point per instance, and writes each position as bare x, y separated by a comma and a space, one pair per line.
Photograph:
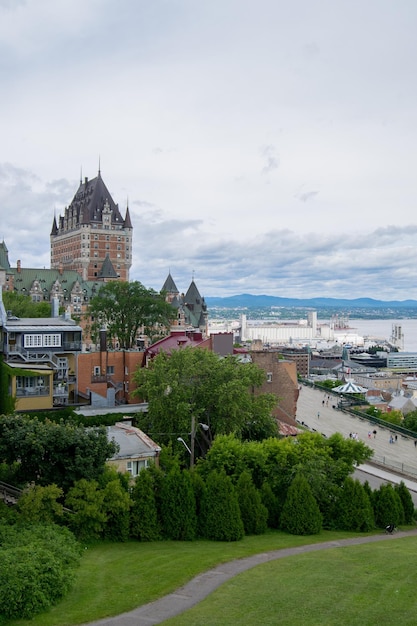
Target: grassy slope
369, 585
114, 578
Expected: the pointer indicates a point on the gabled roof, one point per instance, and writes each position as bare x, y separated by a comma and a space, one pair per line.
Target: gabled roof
23, 279
193, 295
132, 442
176, 340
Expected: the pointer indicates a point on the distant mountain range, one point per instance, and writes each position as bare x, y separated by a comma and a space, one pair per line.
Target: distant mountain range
246, 300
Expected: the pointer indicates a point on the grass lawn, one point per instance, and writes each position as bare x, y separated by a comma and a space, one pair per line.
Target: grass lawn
114, 578
370, 585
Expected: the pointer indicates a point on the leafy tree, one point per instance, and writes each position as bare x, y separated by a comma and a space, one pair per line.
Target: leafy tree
410, 421
253, 513
88, 521
49, 453
354, 509
220, 511
23, 306
144, 522
7, 402
178, 513
394, 417
300, 513
40, 504
406, 501
126, 309
197, 383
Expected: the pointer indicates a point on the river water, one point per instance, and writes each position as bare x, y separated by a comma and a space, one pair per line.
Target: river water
382, 329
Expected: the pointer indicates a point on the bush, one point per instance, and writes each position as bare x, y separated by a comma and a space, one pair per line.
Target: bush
300, 513
406, 501
36, 568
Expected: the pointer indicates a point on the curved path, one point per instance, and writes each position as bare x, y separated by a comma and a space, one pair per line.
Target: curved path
202, 585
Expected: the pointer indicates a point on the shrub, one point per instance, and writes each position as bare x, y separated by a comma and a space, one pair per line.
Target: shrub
36, 568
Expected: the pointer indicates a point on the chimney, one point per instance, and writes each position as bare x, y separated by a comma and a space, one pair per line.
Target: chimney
55, 307
19, 267
61, 269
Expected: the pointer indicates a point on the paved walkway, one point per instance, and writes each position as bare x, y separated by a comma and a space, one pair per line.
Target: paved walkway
203, 584
401, 455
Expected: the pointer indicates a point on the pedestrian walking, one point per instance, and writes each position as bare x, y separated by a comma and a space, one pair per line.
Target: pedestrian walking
318, 415
415, 443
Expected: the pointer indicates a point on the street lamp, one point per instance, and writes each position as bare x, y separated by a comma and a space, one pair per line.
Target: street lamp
191, 450
183, 442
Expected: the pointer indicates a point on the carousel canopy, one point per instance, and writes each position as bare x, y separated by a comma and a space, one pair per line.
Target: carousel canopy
350, 387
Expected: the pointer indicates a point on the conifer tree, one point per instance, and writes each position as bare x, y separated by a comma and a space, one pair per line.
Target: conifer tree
270, 501
254, 514
407, 502
300, 513
388, 507
354, 510
178, 509
144, 523
220, 512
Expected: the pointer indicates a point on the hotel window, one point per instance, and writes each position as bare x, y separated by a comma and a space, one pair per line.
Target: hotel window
32, 341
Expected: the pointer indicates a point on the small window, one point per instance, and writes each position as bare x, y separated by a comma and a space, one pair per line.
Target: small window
97, 370
269, 377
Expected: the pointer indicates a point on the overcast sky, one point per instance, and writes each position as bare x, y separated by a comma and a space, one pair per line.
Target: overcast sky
263, 146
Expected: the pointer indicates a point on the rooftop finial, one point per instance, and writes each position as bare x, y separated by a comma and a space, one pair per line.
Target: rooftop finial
81, 175
99, 159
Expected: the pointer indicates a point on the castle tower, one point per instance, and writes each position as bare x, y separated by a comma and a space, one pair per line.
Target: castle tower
91, 233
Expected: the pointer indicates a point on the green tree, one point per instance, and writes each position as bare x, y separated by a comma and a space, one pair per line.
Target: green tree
85, 499
7, 402
353, 509
271, 502
252, 511
51, 453
125, 309
178, 512
116, 506
410, 421
388, 508
220, 511
406, 501
23, 306
40, 504
144, 522
300, 513
196, 383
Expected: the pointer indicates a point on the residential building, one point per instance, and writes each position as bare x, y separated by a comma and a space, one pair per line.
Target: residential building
136, 450
41, 359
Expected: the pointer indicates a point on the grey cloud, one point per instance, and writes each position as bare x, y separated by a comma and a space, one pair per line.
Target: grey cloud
270, 159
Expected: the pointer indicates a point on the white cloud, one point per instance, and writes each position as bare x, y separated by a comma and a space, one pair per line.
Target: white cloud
269, 147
